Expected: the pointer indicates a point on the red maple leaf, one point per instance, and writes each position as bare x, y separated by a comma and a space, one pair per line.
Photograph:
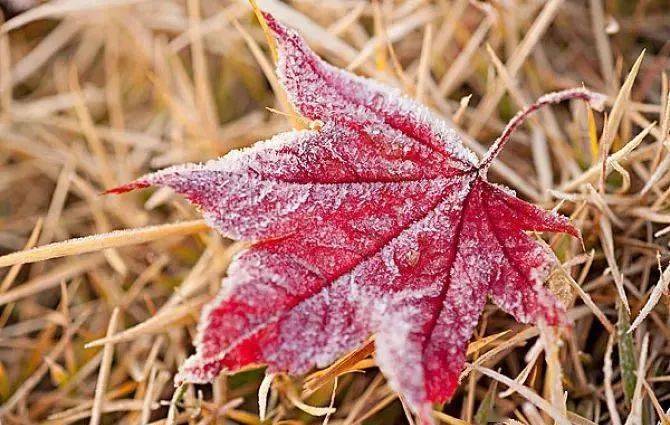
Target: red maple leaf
381, 222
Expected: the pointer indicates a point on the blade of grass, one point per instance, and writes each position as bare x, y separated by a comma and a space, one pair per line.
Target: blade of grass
99, 242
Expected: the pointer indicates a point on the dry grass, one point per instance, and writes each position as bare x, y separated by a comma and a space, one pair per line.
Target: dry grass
94, 93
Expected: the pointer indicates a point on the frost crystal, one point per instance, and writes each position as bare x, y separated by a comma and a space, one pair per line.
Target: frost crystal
380, 222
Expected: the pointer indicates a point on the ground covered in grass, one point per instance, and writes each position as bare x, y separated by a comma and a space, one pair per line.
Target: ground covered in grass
96, 93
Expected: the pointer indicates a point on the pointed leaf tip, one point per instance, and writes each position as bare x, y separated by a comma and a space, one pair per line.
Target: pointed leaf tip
137, 184
274, 24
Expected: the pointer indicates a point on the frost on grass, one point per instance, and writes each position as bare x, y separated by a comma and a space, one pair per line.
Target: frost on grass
379, 223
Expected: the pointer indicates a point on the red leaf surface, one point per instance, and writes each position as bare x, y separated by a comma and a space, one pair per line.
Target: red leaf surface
381, 222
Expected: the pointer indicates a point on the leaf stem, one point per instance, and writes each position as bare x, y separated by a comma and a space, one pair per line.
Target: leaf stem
595, 100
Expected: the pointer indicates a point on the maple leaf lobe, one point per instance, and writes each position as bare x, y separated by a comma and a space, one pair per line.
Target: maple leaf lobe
381, 222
